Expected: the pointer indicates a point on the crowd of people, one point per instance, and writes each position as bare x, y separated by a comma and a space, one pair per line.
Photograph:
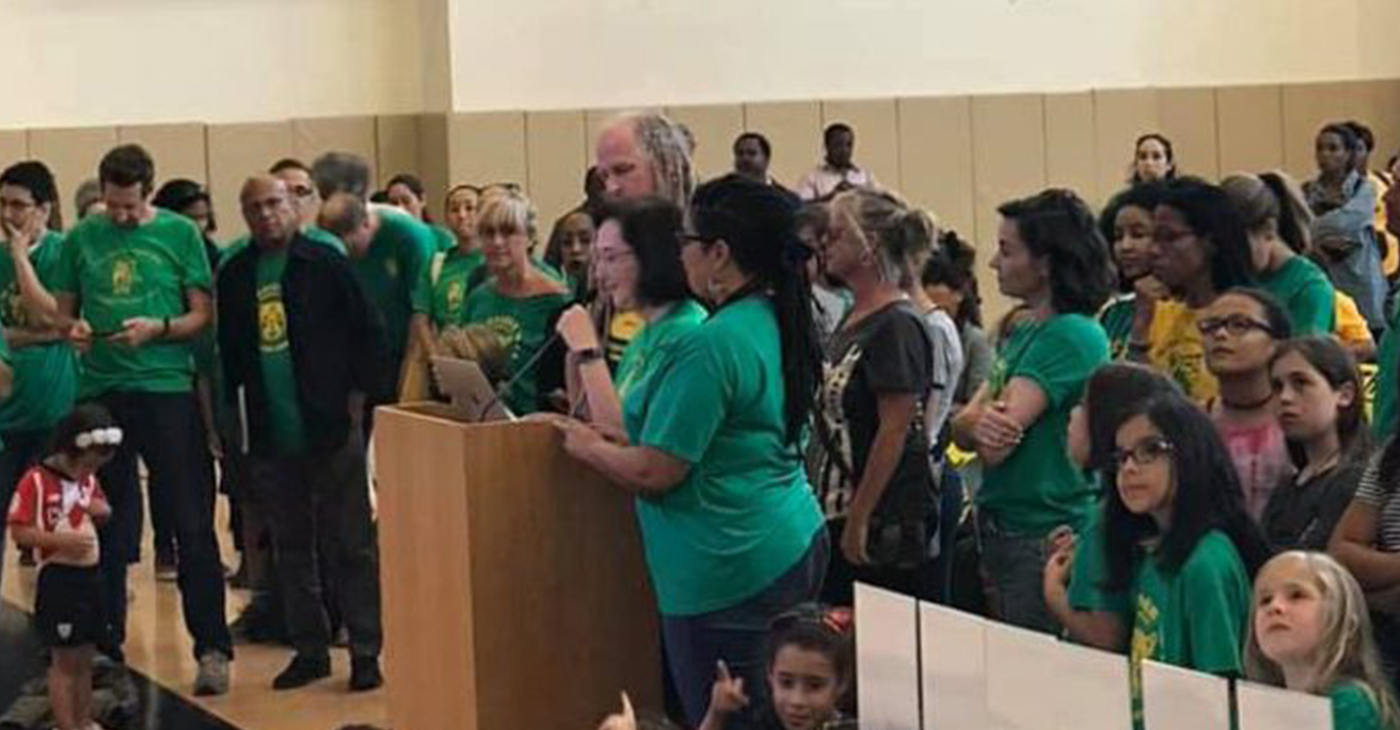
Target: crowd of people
1166, 448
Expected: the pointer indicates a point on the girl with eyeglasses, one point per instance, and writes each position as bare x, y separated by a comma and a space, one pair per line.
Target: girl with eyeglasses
1240, 330
1178, 541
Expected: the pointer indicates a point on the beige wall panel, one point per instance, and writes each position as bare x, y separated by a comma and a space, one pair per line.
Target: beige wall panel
795, 129
237, 151
557, 154
433, 158
1070, 153
312, 138
1306, 108
72, 155
876, 124
1187, 118
1008, 152
14, 147
487, 148
1250, 122
178, 149
1120, 117
1384, 99
935, 158
714, 128
396, 148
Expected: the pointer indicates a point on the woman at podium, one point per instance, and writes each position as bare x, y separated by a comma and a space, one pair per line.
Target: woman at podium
732, 533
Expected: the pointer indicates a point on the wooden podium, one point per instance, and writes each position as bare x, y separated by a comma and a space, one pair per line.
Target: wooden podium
515, 594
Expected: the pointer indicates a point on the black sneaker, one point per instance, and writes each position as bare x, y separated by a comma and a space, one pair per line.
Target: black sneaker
167, 569
365, 674
303, 671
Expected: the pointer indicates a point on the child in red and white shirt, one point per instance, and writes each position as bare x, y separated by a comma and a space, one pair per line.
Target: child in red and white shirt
56, 509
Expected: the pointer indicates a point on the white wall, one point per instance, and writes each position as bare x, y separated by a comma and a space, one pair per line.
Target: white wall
542, 54
94, 62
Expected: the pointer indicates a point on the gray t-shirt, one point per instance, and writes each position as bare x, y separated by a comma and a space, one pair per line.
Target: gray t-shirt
947, 371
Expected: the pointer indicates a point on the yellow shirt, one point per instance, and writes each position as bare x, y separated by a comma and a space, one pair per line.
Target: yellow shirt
1351, 327
1175, 347
1391, 262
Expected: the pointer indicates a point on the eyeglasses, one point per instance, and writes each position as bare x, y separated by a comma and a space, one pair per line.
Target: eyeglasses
1236, 325
1144, 453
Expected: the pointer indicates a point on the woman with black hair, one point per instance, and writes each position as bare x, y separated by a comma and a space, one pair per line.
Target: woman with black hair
1153, 159
1199, 250
1344, 234
950, 283
1126, 223
1051, 257
570, 250
1178, 541
406, 192
732, 533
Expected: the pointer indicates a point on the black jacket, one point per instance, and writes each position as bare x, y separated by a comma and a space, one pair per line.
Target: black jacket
335, 334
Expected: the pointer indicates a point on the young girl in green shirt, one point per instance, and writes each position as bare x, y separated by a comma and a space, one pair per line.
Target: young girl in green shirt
1311, 633
1178, 541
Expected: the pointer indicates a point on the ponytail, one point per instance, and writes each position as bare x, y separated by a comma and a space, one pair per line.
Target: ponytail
1294, 216
797, 337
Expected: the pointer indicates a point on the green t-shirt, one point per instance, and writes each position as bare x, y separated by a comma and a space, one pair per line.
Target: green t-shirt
1089, 577
1117, 322
1037, 487
120, 273
1306, 293
275, 353
46, 376
442, 300
524, 325
444, 239
1353, 708
317, 235
651, 350
745, 513
1195, 617
390, 269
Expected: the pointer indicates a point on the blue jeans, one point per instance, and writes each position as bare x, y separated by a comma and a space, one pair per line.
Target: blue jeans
1013, 574
695, 644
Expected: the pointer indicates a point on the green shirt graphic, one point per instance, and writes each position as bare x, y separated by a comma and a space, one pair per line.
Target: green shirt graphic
444, 300
275, 354
523, 325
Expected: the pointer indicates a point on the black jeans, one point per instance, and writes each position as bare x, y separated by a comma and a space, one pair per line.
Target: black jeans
163, 429
22, 450
319, 503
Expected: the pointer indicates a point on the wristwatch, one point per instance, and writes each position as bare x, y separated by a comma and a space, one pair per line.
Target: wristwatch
588, 354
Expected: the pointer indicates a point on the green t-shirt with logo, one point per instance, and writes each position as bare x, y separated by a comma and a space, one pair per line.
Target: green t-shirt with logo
443, 300
390, 270
1195, 617
46, 375
120, 273
523, 326
745, 513
1117, 321
312, 233
1306, 293
652, 349
1354, 708
285, 422
1037, 488
1383, 409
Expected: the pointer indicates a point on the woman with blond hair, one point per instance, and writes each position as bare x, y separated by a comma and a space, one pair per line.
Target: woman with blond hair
519, 302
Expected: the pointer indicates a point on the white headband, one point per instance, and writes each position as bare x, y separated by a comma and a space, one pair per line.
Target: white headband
111, 436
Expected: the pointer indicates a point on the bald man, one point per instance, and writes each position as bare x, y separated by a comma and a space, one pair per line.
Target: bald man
302, 346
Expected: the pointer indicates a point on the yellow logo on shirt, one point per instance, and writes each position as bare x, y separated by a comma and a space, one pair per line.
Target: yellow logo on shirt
123, 276
14, 314
456, 293
507, 329
391, 267
272, 319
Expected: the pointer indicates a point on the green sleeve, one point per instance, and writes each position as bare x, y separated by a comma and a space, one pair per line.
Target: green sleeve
326, 238
1216, 605
423, 292
1061, 357
4, 348
1315, 309
65, 278
690, 404
1388, 358
414, 257
1353, 709
193, 262
1088, 577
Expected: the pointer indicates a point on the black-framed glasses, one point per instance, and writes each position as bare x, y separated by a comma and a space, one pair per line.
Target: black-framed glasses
1143, 453
1237, 325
